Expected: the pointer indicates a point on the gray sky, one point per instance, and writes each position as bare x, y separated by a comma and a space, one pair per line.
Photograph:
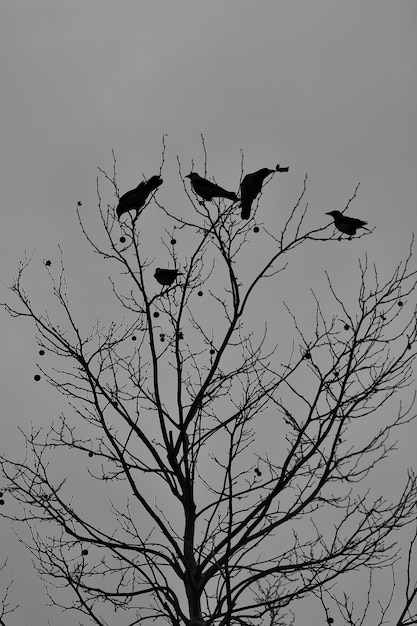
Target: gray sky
324, 86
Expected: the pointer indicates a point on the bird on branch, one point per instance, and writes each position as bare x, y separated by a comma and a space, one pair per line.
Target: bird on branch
250, 187
135, 199
166, 276
208, 190
347, 225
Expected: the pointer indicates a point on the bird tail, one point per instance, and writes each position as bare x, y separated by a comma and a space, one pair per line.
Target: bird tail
246, 207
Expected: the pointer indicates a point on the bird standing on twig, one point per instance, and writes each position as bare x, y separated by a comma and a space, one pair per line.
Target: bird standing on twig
250, 187
208, 190
345, 224
135, 199
166, 276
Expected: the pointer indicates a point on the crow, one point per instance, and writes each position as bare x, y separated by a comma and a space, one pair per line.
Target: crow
135, 199
208, 190
347, 225
250, 187
281, 169
166, 276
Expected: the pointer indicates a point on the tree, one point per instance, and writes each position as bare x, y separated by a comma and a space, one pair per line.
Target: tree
190, 516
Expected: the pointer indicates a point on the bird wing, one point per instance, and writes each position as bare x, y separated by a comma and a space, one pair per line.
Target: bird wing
136, 198
250, 187
208, 190
133, 199
216, 189
360, 223
353, 221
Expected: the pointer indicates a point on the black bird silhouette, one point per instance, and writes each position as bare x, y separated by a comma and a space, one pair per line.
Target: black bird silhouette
208, 190
345, 224
281, 169
135, 199
250, 187
166, 276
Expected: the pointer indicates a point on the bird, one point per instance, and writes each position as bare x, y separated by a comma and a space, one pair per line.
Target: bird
208, 190
166, 276
136, 198
250, 187
281, 169
345, 224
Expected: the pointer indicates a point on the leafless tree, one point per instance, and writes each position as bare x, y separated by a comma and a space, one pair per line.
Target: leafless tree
207, 472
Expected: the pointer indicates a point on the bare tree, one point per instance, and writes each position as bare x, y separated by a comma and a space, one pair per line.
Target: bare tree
191, 516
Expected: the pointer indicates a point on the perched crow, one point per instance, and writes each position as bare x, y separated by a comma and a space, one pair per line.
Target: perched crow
281, 169
347, 225
250, 187
135, 199
208, 190
165, 276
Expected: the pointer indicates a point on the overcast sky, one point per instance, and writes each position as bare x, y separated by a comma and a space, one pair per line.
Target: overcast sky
324, 86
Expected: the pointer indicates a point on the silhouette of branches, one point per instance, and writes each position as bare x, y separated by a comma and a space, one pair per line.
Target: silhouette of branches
195, 518
6, 607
